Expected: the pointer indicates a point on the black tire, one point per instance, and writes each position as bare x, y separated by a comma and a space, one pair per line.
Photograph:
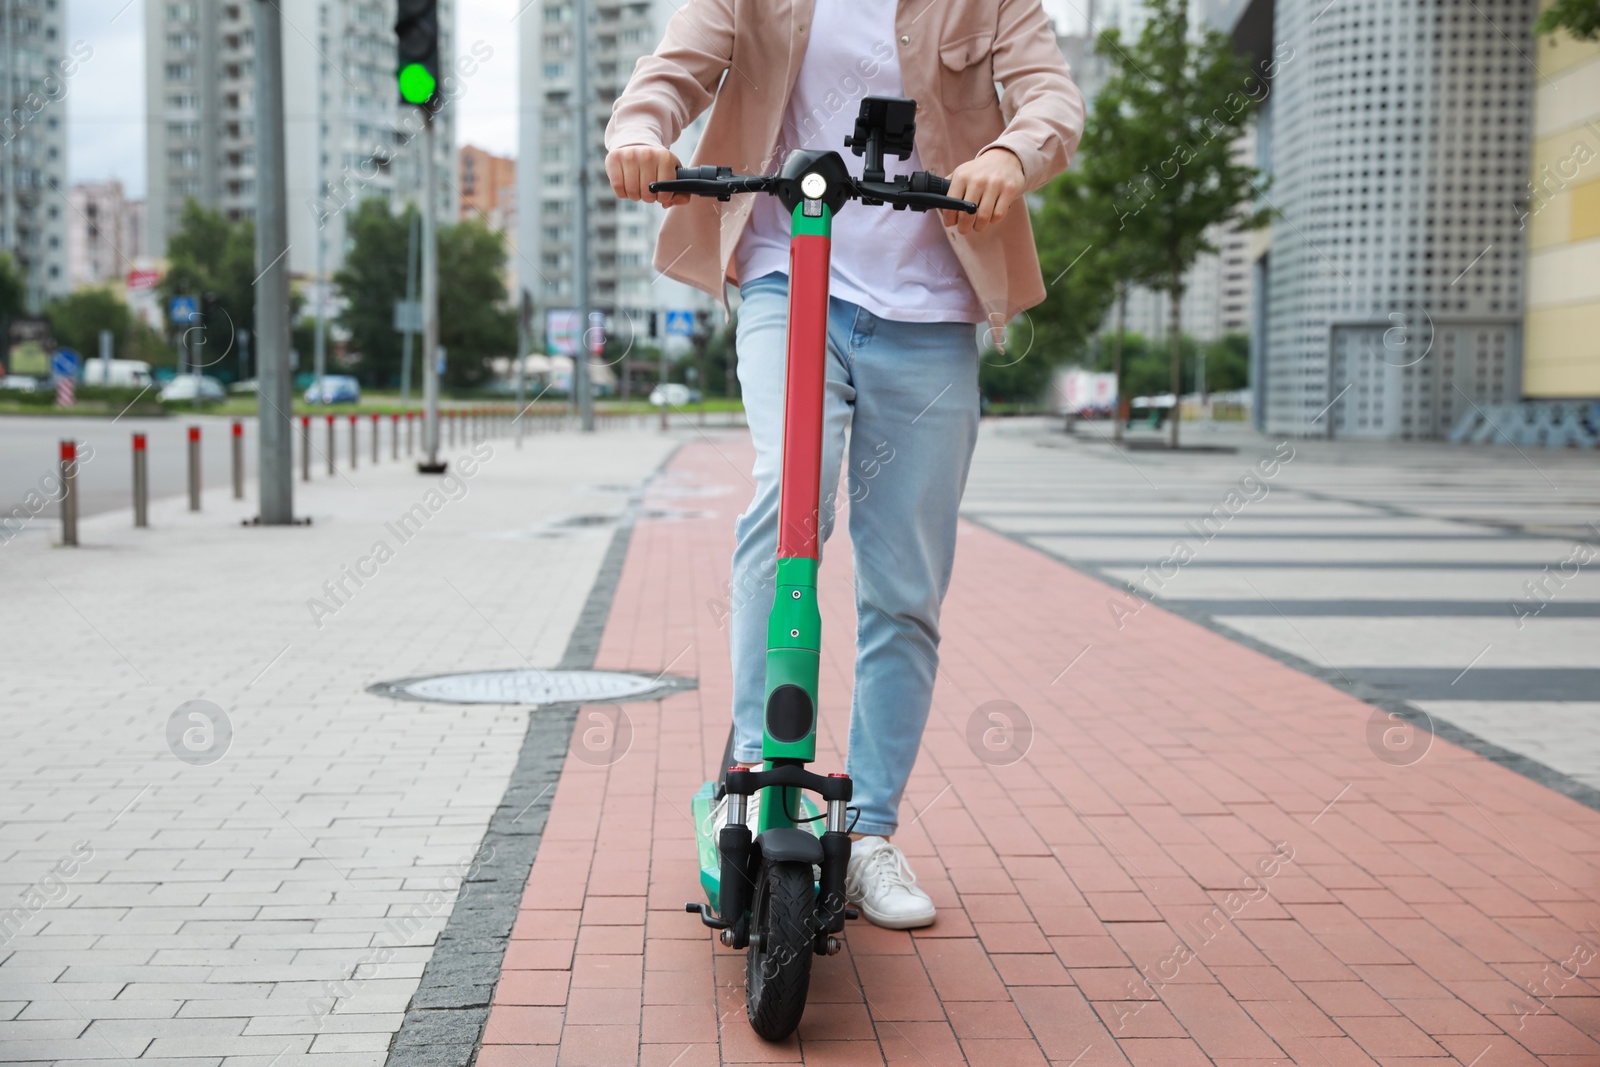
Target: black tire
777, 972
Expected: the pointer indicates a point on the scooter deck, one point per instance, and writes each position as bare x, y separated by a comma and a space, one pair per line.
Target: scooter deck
706, 838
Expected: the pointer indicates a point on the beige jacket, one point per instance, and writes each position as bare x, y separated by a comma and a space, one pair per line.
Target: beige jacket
744, 55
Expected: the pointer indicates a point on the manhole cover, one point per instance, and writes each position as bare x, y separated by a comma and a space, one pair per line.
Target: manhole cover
532, 687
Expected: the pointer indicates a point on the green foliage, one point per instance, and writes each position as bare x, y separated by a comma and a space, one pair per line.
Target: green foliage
474, 322
1146, 364
1012, 378
77, 319
209, 253
372, 278
1082, 261
1165, 126
1228, 363
1581, 18
13, 288
1166, 123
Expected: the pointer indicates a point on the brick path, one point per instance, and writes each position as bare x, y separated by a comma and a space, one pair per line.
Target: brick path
1440, 912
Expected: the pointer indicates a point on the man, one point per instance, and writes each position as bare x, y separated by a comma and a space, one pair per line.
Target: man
905, 292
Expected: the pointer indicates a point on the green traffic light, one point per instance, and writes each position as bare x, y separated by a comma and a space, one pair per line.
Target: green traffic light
416, 84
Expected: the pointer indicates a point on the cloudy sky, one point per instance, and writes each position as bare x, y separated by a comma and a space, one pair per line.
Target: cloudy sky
106, 96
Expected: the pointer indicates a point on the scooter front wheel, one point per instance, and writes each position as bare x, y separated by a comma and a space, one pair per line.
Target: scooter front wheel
778, 965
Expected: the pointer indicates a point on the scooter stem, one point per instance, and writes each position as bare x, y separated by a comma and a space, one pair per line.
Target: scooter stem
794, 627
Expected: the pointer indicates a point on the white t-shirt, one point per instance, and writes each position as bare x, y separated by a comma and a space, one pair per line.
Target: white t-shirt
897, 264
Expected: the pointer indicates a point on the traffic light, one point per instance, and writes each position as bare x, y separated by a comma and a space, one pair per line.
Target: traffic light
417, 27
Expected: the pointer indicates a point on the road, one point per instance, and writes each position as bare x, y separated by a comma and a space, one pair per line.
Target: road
29, 448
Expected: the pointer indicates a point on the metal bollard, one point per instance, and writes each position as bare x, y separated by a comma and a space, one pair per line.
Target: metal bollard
194, 468
238, 460
330, 444
394, 435
69, 492
355, 445
452, 427
410, 446
374, 438
141, 483
305, 448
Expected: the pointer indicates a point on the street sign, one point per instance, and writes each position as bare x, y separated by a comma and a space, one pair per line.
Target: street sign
184, 310
64, 368
680, 323
408, 316
561, 332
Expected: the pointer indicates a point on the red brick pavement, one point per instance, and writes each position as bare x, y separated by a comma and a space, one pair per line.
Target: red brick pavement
1443, 912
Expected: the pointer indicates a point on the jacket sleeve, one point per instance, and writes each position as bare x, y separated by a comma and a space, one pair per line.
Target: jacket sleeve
1044, 109
673, 85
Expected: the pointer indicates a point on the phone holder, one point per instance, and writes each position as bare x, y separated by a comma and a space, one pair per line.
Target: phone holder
886, 124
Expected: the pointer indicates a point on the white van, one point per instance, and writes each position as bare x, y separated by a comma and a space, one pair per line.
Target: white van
134, 372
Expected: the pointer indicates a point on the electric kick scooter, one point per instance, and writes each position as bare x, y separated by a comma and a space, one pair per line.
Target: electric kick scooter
780, 893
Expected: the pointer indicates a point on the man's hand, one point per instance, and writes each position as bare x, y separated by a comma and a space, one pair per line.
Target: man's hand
633, 167
993, 181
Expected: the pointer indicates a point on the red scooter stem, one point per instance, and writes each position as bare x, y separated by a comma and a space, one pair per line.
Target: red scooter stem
798, 518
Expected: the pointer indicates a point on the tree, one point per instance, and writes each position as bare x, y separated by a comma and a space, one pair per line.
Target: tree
1581, 18
1178, 101
372, 278
210, 255
77, 319
475, 322
1081, 263
13, 288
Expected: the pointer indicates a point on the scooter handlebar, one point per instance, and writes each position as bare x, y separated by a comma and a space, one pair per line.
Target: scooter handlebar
720, 182
922, 191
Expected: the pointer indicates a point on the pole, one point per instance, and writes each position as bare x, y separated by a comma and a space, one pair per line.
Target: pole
411, 296
106, 339
355, 443
238, 460
194, 468
274, 397
320, 346
330, 445
580, 245
141, 483
305, 448
375, 428
430, 303
394, 435
69, 492
524, 344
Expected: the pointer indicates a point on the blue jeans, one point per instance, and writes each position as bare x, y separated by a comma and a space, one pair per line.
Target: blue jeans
909, 394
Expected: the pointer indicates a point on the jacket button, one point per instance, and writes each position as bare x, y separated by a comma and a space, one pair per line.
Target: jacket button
904, 39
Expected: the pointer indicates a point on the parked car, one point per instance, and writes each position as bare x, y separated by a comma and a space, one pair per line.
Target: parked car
21, 383
336, 389
675, 394
199, 387
130, 372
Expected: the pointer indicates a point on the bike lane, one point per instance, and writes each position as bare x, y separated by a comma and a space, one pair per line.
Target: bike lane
1148, 845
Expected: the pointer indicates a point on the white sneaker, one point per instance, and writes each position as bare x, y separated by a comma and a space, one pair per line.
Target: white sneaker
718, 817
881, 882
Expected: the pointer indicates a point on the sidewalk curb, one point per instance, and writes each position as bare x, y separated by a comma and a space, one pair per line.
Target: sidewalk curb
1528, 768
445, 1020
